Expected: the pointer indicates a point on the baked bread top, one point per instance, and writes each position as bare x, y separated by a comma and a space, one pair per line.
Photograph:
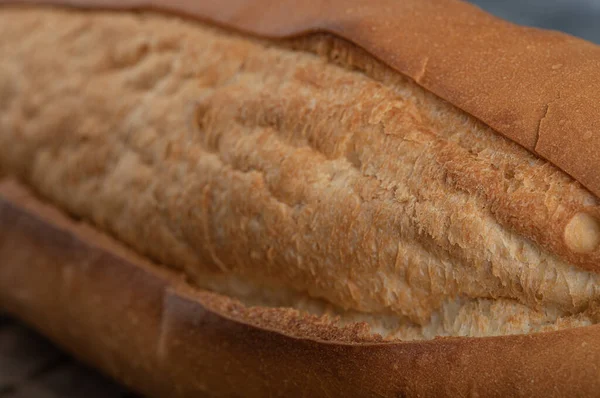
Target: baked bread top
537, 87
286, 171
116, 121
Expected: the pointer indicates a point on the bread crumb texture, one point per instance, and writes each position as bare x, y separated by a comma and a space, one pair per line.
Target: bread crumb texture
298, 173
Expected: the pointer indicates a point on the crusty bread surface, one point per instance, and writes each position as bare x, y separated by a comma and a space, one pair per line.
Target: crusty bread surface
144, 325
244, 199
537, 87
268, 172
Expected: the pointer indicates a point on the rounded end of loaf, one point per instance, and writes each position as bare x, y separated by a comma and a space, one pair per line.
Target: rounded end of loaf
582, 233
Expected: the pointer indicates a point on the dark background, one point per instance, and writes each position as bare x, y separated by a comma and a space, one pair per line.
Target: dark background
31, 367
577, 17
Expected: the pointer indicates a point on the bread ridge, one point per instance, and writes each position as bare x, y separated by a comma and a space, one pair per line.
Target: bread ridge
534, 86
130, 164
142, 324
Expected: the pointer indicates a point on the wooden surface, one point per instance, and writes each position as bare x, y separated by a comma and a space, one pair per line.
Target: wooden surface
31, 367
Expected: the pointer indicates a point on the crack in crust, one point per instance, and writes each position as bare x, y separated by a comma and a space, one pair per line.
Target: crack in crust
327, 174
539, 128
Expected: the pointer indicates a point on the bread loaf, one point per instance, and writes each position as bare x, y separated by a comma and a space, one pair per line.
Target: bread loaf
144, 325
304, 174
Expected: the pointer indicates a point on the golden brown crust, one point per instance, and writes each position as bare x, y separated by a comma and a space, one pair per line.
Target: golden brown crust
143, 325
74, 283
197, 146
538, 88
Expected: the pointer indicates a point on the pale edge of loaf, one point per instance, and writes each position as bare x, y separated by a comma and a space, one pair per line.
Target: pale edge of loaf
142, 324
